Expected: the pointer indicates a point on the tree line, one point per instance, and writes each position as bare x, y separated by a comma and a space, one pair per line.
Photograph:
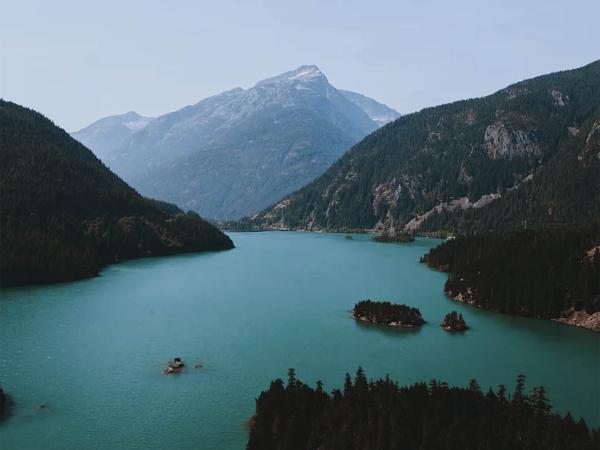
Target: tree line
538, 273
382, 415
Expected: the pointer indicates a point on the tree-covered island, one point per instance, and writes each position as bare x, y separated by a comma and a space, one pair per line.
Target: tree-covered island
454, 322
387, 313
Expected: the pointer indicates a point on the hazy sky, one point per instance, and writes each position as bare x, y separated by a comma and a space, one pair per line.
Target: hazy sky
77, 61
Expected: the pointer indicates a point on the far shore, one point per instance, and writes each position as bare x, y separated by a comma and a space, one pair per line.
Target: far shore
370, 231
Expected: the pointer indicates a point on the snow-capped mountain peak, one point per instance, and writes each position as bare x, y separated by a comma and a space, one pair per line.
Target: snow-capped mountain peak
303, 74
306, 72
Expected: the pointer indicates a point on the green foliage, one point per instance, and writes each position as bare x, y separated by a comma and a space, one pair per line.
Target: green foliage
387, 313
530, 273
64, 215
454, 321
563, 192
380, 415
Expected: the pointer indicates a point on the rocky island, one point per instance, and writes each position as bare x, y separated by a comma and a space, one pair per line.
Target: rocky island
387, 313
174, 366
454, 322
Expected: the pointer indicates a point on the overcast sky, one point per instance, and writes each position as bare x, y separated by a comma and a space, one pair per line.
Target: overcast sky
77, 61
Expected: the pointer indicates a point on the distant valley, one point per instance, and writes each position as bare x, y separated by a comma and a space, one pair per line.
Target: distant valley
240, 151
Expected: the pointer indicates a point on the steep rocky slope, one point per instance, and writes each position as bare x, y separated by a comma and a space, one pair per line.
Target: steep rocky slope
528, 153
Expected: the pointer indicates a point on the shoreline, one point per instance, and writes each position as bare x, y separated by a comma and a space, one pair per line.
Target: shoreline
391, 324
576, 318
370, 231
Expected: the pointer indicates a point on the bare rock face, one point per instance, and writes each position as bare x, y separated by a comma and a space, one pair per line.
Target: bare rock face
502, 142
591, 149
592, 142
386, 195
592, 254
581, 319
558, 98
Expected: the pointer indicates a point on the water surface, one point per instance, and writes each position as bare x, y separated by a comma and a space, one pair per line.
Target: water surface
94, 350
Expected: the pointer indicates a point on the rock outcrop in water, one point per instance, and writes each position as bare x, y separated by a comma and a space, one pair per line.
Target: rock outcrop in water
174, 366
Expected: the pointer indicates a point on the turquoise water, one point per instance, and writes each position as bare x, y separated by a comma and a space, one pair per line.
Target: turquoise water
94, 350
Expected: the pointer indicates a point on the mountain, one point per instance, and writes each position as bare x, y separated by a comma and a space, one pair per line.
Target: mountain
105, 135
64, 214
524, 156
236, 153
378, 112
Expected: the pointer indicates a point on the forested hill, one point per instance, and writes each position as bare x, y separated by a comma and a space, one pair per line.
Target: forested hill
530, 151
64, 215
550, 274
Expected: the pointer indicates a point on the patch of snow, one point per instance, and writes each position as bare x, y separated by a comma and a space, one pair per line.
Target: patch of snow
136, 125
308, 73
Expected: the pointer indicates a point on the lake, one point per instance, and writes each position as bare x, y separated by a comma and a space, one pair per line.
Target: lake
94, 350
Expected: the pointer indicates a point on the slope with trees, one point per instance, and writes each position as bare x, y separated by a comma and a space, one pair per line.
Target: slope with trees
527, 152
550, 274
381, 415
64, 215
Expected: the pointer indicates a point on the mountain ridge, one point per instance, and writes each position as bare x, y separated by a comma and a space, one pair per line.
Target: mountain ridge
470, 157
380, 113
236, 152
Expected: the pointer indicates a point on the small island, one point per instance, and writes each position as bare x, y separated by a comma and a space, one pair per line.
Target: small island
454, 322
174, 366
397, 238
387, 313
348, 237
